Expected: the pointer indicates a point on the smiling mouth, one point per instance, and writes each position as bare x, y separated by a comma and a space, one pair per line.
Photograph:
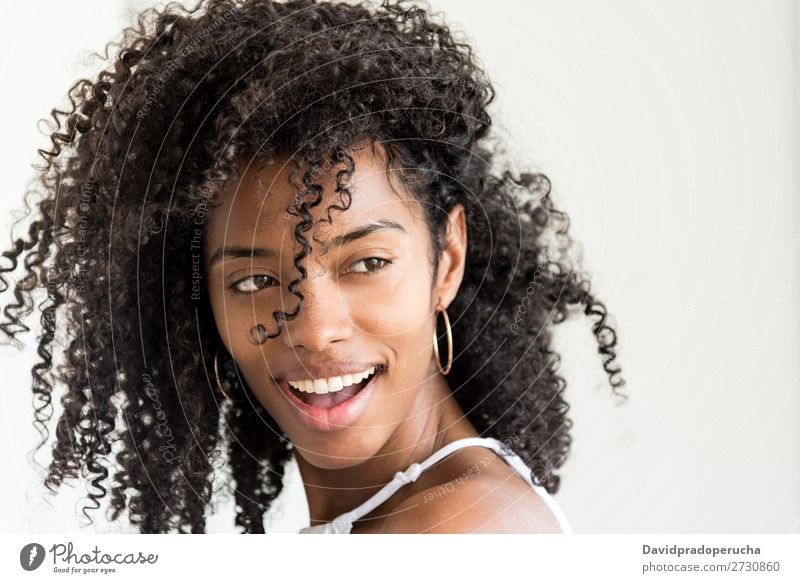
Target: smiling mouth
331, 400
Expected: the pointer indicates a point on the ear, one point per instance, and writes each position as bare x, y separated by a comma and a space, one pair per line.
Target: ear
452, 260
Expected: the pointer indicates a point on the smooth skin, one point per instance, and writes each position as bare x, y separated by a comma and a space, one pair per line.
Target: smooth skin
370, 299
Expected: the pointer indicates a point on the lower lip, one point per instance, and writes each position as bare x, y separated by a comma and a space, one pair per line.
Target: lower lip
341, 416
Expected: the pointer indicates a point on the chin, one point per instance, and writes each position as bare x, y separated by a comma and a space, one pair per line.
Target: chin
337, 452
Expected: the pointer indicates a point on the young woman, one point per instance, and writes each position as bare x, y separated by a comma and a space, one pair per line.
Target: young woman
275, 230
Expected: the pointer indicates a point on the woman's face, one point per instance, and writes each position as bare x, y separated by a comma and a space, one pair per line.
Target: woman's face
369, 301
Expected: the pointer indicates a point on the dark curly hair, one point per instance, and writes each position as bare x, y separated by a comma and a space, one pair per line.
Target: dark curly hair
144, 148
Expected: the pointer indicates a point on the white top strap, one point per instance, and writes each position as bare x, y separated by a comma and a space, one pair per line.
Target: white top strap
343, 523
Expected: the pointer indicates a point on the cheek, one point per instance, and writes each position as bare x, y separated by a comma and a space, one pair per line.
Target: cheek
234, 325
254, 366
396, 306
398, 316
231, 326
236, 319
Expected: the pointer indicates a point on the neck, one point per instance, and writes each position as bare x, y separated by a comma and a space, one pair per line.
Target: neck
435, 421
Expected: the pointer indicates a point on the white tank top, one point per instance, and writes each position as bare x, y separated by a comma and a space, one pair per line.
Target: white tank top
343, 523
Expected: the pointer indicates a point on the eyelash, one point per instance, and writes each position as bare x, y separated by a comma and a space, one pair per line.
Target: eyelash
384, 263
233, 288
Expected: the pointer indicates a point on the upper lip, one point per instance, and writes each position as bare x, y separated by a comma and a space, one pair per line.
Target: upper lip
325, 371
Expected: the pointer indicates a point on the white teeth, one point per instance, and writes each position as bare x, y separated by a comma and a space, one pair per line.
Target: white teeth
330, 385
320, 386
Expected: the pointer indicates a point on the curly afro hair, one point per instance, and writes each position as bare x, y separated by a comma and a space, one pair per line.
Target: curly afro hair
143, 149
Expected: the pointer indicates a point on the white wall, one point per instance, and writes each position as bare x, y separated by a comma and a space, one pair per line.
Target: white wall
669, 130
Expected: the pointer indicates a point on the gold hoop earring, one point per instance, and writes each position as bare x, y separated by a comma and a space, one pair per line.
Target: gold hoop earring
446, 369
220, 386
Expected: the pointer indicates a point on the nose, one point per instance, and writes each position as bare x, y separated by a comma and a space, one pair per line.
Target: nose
323, 319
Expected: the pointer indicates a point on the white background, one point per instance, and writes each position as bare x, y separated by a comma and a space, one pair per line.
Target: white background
670, 132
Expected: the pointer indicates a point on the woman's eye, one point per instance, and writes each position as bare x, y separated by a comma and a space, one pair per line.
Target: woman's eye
252, 283
371, 264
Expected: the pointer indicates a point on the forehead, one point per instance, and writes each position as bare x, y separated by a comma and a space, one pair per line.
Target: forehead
257, 205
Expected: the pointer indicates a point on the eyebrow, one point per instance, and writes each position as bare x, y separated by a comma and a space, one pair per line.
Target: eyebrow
236, 251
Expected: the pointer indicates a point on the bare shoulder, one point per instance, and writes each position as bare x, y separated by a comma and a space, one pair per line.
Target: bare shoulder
495, 500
